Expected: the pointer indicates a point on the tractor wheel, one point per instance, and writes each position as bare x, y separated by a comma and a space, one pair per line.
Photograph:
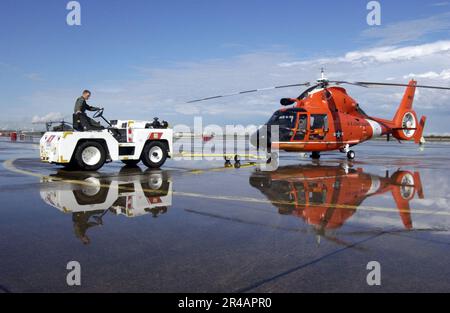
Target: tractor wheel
154, 154
90, 156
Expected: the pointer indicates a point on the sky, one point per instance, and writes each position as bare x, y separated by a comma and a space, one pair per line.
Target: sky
145, 58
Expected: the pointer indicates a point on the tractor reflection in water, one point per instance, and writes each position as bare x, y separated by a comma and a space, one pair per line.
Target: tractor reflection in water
89, 198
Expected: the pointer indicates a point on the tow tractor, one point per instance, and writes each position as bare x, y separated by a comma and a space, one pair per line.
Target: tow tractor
126, 140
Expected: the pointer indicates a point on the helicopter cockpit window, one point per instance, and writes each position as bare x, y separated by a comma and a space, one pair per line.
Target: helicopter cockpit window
283, 119
302, 124
319, 125
319, 121
285, 122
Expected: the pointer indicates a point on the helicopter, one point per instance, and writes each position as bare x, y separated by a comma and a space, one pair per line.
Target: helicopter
326, 118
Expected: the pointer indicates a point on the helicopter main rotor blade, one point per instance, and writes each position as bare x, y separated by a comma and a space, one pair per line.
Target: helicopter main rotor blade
340, 82
249, 91
369, 84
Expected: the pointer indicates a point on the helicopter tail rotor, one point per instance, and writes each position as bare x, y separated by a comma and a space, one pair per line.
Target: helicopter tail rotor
408, 126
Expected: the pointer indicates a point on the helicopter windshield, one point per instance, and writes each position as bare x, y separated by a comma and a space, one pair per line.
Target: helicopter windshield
283, 119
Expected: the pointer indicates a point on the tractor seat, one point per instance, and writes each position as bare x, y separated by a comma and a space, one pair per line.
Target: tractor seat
81, 122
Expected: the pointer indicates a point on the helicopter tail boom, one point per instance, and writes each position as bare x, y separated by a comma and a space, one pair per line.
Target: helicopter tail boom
406, 123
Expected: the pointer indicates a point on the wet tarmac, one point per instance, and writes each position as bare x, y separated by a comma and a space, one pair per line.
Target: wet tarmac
197, 226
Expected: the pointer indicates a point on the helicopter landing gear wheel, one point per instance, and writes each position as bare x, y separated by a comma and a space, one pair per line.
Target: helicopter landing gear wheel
351, 155
315, 155
227, 160
237, 161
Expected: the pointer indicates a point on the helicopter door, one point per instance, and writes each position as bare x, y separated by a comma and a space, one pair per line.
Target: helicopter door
301, 126
318, 126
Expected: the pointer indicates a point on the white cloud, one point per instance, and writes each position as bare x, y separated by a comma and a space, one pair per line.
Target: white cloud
441, 4
392, 54
445, 74
34, 77
52, 116
9, 69
408, 31
384, 54
163, 92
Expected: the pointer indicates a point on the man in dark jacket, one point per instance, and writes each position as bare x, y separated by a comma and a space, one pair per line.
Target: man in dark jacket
81, 121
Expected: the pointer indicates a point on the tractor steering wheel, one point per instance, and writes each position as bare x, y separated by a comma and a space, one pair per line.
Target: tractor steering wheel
99, 113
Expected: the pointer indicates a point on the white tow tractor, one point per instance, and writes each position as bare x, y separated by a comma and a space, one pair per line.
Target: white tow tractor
125, 140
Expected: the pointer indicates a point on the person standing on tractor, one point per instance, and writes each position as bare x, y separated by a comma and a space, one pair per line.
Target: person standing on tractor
81, 121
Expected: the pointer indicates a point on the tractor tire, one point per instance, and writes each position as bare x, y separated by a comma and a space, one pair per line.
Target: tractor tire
90, 156
154, 154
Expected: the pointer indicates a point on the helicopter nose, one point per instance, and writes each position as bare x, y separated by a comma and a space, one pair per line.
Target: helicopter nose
254, 139
259, 139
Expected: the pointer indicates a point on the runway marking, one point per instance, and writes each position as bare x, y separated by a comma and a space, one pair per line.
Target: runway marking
9, 165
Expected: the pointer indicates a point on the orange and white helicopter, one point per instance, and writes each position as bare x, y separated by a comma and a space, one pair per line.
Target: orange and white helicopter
325, 118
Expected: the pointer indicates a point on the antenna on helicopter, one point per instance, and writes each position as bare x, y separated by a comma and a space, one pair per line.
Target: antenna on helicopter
323, 81
322, 74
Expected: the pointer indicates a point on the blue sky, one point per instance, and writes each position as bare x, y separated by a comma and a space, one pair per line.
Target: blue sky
144, 58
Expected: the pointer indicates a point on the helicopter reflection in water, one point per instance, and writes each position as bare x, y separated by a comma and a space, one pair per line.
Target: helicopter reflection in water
328, 196
89, 197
